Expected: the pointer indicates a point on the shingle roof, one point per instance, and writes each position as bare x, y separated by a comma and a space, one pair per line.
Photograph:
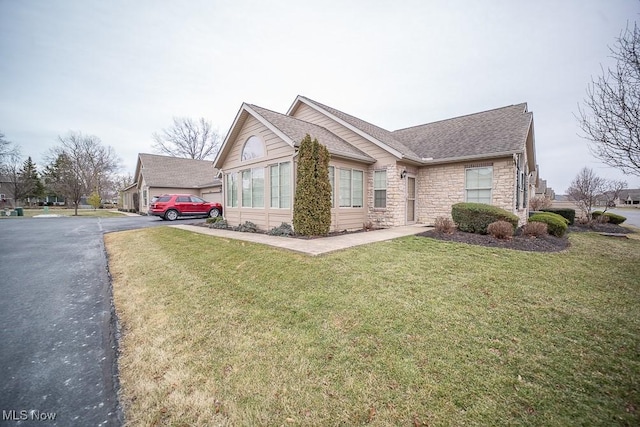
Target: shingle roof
297, 129
376, 132
176, 172
495, 131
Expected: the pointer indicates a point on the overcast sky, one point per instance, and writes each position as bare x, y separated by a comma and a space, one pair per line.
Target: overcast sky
121, 70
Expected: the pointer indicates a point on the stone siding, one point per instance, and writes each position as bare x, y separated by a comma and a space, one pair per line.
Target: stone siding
441, 186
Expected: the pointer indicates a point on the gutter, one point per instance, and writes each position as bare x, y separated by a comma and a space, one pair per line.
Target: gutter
474, 157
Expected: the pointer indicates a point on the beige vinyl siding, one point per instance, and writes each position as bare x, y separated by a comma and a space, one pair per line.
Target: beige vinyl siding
348, 218
277, 151
308, 114
275, 147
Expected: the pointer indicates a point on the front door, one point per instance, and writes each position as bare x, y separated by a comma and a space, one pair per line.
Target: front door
411, 200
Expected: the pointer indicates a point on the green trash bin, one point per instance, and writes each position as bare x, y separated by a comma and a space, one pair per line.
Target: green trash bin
14, 213
20, 211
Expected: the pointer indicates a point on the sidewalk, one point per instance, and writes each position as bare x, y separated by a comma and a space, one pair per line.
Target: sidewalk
313, 247
125, 213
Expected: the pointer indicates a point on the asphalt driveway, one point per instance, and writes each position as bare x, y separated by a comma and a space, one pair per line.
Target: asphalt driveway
57, 343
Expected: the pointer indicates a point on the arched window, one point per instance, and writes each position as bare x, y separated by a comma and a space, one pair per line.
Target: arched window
253, 148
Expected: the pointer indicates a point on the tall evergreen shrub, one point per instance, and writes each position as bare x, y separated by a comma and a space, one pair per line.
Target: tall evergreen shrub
312, 204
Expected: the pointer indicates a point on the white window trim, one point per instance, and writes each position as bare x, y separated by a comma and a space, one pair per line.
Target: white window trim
466, 186
244, 146
279, 166
332, 182
251, 188
351, 170
228, 187
386, 175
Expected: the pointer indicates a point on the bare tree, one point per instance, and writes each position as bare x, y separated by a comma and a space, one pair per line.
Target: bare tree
8, 151
610, 117
539, 202
80, 165
587, 188
188, 138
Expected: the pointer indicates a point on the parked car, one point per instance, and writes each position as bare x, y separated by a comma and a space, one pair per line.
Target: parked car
171, 206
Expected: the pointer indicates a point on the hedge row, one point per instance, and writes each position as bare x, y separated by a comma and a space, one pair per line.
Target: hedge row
567, 213
476, 217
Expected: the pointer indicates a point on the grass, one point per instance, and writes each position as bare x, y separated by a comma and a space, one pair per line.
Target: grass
31, 212
412, 331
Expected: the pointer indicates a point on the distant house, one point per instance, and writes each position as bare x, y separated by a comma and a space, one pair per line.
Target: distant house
6, 192
543, 190
390, 178
629, 197
156, 175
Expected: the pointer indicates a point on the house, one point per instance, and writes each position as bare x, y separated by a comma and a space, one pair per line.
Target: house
6, 192
156, 175
390, 178
629, 197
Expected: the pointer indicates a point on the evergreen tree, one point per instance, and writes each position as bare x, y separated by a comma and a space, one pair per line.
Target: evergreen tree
312, 205
32, 187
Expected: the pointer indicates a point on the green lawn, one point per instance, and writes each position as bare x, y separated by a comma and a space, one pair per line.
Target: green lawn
412, 331
31, 212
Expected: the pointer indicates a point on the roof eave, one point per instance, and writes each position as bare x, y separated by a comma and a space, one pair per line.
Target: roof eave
348, 156
484, 156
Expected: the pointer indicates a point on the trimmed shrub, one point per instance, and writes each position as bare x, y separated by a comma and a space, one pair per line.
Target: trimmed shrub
500, 229
539, 203
556, 224
535, 229
568, 213
610, 217
444, 225
283, 229
247, 227
476, 217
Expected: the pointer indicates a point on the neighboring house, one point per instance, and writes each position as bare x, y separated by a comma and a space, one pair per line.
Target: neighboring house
389, 178
6, 192
629, 197
543, 190
156, 175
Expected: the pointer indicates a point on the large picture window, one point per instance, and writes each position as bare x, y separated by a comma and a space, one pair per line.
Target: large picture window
380, 189
253, 188
478, 184
281, 185
232, 190
351, 188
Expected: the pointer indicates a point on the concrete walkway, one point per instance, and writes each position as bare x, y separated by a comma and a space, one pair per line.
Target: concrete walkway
314, 247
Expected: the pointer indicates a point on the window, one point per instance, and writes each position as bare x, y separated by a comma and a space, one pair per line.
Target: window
478, 183
232, 190
332, 181
183, 199
351, 188
145, 197
253, 188
380, 189
281, 185
195, 199
253, 148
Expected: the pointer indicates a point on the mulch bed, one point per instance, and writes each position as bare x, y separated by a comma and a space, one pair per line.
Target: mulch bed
601, 228
523, 243
518, 242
